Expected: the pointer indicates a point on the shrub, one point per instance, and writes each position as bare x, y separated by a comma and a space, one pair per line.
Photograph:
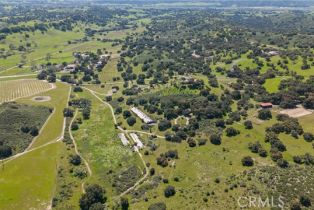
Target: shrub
309, 137
164, 125
86, 113
305, 201
248, 124
80, 172
157, 206
68, 112
126, 114
282, 163
162, 161
124, 202
108, 98
94, 194
131, 121
5, 151
191, 142
215, 139
74, 126
262, 152
232, 132
247, 161
77, 89
75, 159
34, 131
264, 114
169, 191
202, 142
152, 171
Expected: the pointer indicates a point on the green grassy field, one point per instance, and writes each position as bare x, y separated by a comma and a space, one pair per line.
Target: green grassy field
98, 142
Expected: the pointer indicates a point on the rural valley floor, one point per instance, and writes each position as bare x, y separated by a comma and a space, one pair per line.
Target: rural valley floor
159, 105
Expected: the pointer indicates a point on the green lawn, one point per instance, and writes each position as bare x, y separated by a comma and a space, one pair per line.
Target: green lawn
272, 85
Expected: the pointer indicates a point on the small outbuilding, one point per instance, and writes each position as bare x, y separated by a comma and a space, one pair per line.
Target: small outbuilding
123, 139
266, 105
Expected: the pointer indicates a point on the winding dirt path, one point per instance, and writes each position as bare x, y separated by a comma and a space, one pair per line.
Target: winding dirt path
75, 145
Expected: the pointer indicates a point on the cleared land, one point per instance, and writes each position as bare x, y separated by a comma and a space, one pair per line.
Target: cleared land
12, 90
297, 112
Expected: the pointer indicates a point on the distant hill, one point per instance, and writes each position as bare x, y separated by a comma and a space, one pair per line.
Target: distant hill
179, 3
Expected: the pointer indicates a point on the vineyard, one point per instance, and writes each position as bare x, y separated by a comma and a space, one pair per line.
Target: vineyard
12, 90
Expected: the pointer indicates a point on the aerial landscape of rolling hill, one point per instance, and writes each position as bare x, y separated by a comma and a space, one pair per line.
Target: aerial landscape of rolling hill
158, 104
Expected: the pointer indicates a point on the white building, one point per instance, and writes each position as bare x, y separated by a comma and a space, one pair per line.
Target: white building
136, 139
123, 139
273, 53
142, 115
104, 57
70, 68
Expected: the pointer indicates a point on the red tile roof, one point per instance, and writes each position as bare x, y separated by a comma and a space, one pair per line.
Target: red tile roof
266, 104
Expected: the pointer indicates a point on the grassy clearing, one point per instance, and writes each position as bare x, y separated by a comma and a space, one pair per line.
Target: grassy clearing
272, 85
28, 181
98, 142
109, 72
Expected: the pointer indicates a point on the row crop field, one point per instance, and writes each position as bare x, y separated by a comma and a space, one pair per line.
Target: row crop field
12, 90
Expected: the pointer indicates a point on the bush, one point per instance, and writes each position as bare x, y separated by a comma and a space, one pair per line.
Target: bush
86, 113
126, 114
232, 132
164, 125
264, 114
295, 206
34, 131
68, 112
77, 89
152, 172
169, 191
97, 206
108, 98
215, 139
118, 110
124, 202
191, 142
74, 126
262, 152
94, 194
309, 137
305, 201
131, 121
162, 161
157, 206
247, 161
75, 160
80, 172
248, 124
282, 163
202, 142
5, 151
